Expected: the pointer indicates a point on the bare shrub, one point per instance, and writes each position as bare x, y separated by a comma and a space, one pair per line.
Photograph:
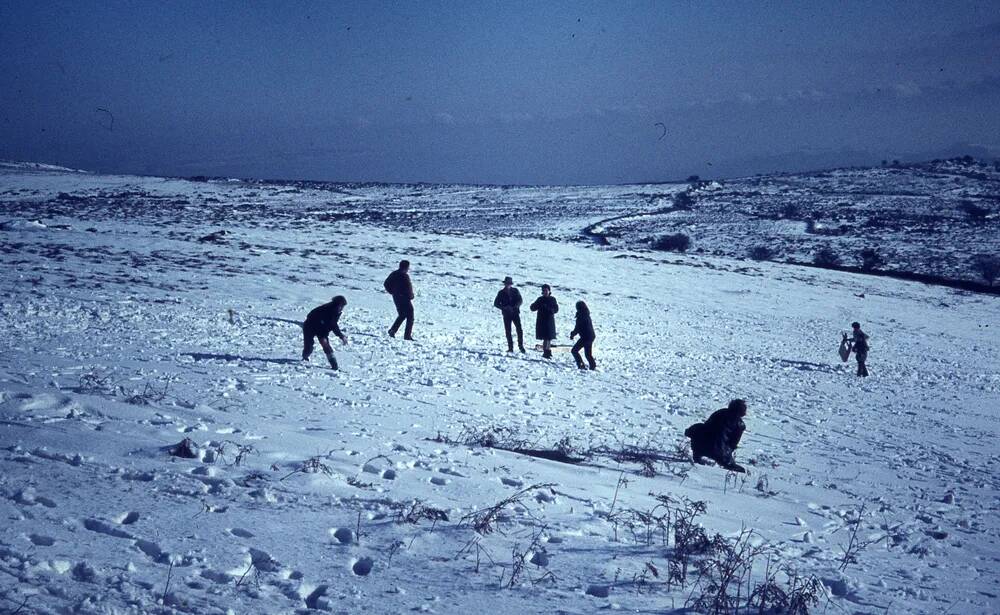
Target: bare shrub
95, 382
647, 457
519, 558
683, 200
973, 211
826, 257
677, 242
313, 465
490, 519
761, 253
416, 511
725, 582
491, 436
242, 451
871, 259
986, 266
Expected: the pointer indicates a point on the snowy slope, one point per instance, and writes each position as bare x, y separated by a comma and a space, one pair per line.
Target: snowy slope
119, 343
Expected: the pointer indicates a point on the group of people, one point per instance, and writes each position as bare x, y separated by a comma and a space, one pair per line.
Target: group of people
717, 438
508, 301
324, 319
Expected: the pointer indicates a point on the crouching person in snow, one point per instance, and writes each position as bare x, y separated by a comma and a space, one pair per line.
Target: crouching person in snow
585, 329
319, 323
718, 437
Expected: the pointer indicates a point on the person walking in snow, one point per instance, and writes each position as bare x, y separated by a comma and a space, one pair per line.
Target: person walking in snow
399, 286
585, 329
319, 323
545, 321
718, 437
508, 301
859, 345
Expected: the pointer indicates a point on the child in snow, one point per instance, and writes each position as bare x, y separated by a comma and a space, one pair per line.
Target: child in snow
718, 437
585, 329
545, 322
319, 323
859, 344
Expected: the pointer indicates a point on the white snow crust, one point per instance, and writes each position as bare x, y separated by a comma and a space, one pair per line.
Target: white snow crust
124, 331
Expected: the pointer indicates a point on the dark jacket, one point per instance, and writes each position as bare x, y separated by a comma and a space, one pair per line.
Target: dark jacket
324, 319
717, 437
859, 342
545, 323
584, 328
398, 285
508, 300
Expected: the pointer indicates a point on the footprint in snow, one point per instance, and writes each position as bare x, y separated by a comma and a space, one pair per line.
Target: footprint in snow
362, 567
511, 482
440, 481
127, 518
151, 550
103, 527
343, 535
240, 532
41, 540
451, 472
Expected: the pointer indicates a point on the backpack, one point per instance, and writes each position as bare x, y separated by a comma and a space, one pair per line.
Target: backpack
390, 283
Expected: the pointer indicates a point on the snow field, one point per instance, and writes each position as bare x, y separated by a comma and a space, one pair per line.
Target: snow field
119, 344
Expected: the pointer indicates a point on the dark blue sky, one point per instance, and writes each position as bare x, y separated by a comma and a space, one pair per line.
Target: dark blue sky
495, 92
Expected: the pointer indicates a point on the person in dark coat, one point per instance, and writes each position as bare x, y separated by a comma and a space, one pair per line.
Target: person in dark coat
718, 437
319, 323
399, 286
545, 322
585, 329
859, 345
508, 301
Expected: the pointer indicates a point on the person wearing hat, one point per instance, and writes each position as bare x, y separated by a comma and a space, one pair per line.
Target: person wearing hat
718, 437
508, 301
545, 322
319, 323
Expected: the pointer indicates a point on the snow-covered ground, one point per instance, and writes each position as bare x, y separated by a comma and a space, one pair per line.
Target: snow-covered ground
127, 329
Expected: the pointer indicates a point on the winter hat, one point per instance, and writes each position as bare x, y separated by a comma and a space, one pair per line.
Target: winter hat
508, 280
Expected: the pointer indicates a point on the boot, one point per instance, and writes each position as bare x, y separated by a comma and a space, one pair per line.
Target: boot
547, 354
580, 365
333, 361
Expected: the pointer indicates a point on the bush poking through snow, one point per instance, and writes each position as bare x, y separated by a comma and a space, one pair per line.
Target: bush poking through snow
826, 257
871, 259
677, 242
489, 519
761, 253
519, 558
986, 266
416, 511
95, 382
725, 582
313, 465
148, 395
973, 211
